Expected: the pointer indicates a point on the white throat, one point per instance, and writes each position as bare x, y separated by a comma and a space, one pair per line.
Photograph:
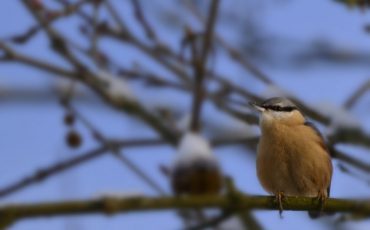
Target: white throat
270, 116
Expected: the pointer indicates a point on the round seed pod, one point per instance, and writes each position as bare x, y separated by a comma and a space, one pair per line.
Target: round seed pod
73, 139
69, 119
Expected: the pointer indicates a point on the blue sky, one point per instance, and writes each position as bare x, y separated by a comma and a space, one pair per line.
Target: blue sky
32, 133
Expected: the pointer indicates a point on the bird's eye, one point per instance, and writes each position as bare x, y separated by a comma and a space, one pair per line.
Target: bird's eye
289, 109
277, 108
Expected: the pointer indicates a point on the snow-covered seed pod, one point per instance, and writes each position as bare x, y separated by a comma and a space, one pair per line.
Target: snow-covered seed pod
195, 170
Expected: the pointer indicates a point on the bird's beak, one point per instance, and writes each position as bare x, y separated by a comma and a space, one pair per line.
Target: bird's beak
256, 107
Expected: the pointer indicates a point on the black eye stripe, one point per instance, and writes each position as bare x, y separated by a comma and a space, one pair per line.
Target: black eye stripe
279, 108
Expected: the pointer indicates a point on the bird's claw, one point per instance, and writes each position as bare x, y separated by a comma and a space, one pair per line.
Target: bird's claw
279, 199
321, 197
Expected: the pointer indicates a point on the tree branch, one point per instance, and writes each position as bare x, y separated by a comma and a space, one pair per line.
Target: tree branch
53, 169
231, 51
200, 64
351, 101
46, 172
149, 32
116, 152
112, 205
359, 164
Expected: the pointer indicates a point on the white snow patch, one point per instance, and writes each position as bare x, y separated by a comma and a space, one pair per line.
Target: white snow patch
112, 194
117, 88
341, 118
192, 147
227, 127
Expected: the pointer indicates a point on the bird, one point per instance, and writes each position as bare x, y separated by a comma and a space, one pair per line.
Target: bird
292, 156
195, 170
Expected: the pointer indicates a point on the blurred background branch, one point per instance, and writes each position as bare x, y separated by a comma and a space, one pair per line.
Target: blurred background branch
144, 59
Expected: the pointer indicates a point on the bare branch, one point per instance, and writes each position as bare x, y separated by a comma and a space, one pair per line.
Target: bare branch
31, 61
111, 205
57, 41
52, 170
44, 173
116, 152
232, 52
116, 17
200, 64
350, 160
142, 20
351, 101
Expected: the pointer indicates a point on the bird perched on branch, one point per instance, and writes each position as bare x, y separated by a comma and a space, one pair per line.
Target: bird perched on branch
195, 170
292, 158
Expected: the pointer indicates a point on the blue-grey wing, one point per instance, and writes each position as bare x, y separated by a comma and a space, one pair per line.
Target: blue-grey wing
322, 143
317, 131
312, 125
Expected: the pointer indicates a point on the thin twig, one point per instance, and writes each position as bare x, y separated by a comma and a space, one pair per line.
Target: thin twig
32, 61
68, 10
180, 72
116, 152
143, 21
46, 172
91, 80
350, 160
351, 101
128, 107
95, 34
53, 169
353, 173
43, 173
232, 52
115, 16
183, 75
200, 64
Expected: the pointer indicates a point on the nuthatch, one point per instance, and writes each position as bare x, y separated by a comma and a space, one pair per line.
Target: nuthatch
195, 171
292, 158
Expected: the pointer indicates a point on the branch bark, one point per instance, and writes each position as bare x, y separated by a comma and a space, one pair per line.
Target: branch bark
113, 205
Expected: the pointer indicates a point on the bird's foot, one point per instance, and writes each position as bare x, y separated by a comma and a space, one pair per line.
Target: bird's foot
322, 197
279, 199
